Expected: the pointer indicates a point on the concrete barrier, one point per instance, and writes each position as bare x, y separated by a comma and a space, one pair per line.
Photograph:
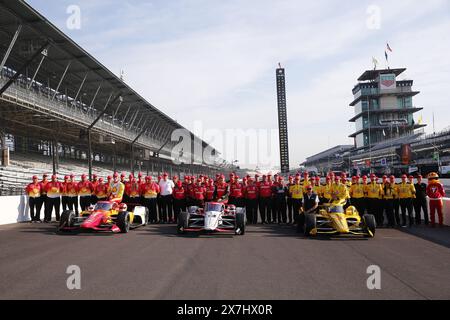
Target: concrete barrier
14, 209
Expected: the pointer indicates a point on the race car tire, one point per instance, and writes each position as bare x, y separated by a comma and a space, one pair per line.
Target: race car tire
183, 222
240, 223
370, 224
123, 222
66, 219
310, 223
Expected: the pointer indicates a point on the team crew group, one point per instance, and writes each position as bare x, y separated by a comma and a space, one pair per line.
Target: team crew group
276, 200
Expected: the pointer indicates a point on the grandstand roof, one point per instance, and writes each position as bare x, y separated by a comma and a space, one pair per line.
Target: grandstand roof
98, 83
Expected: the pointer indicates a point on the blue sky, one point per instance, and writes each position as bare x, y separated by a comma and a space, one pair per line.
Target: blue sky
215, 61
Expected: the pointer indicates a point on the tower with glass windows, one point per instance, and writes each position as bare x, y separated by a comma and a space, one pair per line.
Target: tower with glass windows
384, 107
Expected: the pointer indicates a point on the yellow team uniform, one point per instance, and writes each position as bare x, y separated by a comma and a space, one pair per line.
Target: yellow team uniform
357, 191
374, 191
339, 192
296, 191
327, 190
406, 191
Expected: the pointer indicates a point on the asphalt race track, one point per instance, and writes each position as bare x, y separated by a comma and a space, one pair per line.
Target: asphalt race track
269, 262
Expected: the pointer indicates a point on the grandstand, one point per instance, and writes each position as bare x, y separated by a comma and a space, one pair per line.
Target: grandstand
62, 111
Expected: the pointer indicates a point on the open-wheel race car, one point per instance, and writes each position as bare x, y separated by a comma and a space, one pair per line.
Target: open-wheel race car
214, 217
106, 216
333, 219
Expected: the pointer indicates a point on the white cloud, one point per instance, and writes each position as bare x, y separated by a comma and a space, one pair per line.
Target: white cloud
214, 60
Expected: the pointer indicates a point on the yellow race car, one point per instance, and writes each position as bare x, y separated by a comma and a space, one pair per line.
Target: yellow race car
332, 219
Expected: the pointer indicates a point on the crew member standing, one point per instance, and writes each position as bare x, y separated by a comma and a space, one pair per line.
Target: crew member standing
65, 193
166, 186
279, 192
221, 191
251, 199
289, 203
406, 193
53, 189
435, 191
210, 189
101, 191
265, 198
179, 199
149, 192
420, 202
296, 191
116, 189
237, 194
357, 195
199, 194
33, 191
94, 183
72, 193
85, 192
389, 194
133, 191
374, 197
43, 184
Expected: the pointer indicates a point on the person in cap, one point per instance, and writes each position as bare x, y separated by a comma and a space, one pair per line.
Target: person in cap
389, 194
356, 193
85, 192
94, 183
406, 194
279, 191
236, 194
296, 192
310, 205
72, 194
289, 202
53, 189
116, 189
166, 186
221, 191
374, 198
265, 200
179, 199
65, 193
339, 191
199, 194
251, 200
436, 192
101, 190
43, 184
327, 190
420, 201
149, 192
33, 191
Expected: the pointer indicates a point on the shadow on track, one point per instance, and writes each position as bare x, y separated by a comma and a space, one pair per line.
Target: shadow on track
51, 229
438, 235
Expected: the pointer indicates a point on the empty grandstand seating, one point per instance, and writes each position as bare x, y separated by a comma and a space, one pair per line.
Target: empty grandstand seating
15, 177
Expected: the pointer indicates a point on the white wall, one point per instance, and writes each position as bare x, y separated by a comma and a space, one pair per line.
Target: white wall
15, 209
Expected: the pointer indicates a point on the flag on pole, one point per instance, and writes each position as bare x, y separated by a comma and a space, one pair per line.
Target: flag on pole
420, 120
279, 64
375, 63
386, 55
388, 47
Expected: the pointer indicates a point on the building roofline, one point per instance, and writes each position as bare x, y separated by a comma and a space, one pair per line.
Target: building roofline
373, 74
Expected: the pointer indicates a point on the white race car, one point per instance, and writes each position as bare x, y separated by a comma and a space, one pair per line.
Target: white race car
214, 217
